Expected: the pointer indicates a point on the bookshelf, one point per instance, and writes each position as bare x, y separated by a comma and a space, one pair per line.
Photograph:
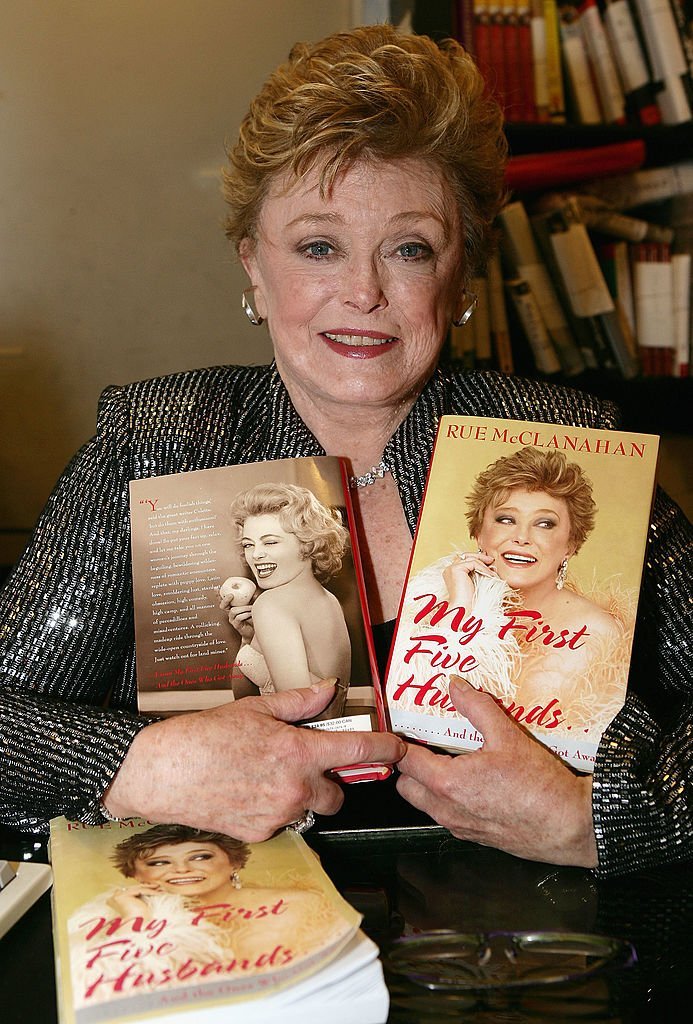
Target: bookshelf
648, 403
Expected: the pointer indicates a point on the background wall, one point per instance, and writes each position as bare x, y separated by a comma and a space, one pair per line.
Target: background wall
113, 117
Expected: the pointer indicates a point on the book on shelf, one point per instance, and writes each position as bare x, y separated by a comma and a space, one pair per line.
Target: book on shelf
528, 587
272, 548
569, 252
614, 259
638, 87
522, 257
665, 50
681, 288
653, 298
540, 60
534, 327
501, 347
536, 172
610, 95
600, 216
167, 923
580, 86
554, 62
525, 105
638, 187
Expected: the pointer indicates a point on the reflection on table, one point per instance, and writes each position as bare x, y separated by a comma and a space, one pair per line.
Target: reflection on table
407, 881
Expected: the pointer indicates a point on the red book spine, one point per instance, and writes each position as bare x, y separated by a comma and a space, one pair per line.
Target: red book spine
528, 107
538, 171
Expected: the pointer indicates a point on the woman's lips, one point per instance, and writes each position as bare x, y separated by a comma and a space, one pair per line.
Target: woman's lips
359, 344
186, 881
265, 569
513, 558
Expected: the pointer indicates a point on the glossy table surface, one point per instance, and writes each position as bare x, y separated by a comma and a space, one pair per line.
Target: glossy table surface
409, 878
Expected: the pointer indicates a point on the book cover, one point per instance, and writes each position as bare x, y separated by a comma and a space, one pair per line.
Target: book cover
156, 921
247, 578
524, 581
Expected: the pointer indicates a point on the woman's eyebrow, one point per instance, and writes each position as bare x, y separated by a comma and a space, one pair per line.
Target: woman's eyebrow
406, 217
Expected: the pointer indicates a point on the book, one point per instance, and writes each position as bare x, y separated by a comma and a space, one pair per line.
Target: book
533, 325
523, 580
660, 34
638, 87
534, 172
554, 63
526, 108
653, 299
649, 185
498, 317
612, 101
614, 259
269, 543
522, 255
540, 68
681, 287
578, 71
564, 239
167, 923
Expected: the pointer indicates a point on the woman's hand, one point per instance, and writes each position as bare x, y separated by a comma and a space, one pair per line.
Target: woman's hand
240, 617
457, 576
130, 900
513, 793
241, 768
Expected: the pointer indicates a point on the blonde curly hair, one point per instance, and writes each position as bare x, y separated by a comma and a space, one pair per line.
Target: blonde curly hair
322, 537
377, 95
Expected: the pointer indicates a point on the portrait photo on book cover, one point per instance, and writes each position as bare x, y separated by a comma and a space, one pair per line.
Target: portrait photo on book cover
245, 581
526, 586
176, 914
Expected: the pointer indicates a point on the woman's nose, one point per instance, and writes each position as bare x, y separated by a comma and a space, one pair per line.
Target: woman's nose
363, 287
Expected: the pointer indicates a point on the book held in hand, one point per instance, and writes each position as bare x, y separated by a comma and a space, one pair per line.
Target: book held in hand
247, 580
167, 923
523, 581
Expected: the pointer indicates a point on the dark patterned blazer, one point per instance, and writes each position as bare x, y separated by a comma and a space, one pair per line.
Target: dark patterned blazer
67, 667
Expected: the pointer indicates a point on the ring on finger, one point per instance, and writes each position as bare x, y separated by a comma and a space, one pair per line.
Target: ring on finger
303, 823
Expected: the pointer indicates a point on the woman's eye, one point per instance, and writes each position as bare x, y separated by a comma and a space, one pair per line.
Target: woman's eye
546, 524
413, 251
317, 250
505, 519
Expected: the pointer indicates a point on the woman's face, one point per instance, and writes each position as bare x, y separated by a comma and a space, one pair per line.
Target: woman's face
528, 537
273, 555
359, 287
190, 869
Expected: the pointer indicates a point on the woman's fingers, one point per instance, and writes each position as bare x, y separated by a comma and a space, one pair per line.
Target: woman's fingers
242, 768
513, 793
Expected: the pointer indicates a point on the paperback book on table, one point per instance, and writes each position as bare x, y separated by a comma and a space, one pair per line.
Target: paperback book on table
205, 926
523, 581
277, 537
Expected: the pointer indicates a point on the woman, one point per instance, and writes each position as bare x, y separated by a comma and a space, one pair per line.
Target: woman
529, 513
189, 894
293, 545
362, 191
